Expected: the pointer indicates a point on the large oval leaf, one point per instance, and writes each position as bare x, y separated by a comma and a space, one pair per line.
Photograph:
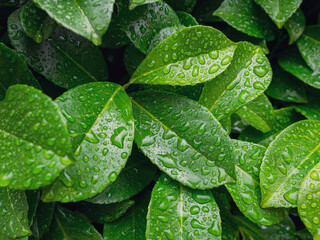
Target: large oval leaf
309, 201
65, 59
171, 203
189, 56
183, 139
247, 77
34, 137
309, 44
246, 192
14, 214
89, 19
13, 70
287, 160
99, 117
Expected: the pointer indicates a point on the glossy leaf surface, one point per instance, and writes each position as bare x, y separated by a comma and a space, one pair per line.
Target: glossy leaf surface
171, 202
287, 160
65, 59
295, 25
184, 63
187, 19
99, 118
89, 19
42, 219
311, 110
247, 77
13, 70
132, 59
186, 142
33, 198
135, 3
38, 147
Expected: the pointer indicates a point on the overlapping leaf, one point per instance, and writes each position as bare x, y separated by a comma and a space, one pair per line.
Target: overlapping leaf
295, 25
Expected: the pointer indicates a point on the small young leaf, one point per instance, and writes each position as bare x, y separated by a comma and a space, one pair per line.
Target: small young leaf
182, 5
171, 203
246, 192
187, 19
295, 26
287, 160
185, 63
247, 77
291, 61
279, 10
186, 142
65, 59
135, 3
309, 201
69, 225
247, 17
36, 23
34, 134
309, 44
13, 70
89, 19
99, 117
14, 214
42, 219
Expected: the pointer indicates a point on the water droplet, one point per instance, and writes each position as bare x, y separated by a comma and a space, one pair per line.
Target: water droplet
112, 176
260, 71
118, 137
201, 197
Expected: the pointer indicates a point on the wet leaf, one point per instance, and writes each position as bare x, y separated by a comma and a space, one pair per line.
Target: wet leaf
99, 118
311, 110
37, 148
287, 160
187, 19
33, 198
42, 219
135, 3
183, 139
171, 202
132, 59
184, 63
182, 5
247, 77
65, 59
295, 25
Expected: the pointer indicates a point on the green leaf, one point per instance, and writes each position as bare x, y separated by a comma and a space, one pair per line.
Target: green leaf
229, 232
291, 61
247, 77
171, 202
132, 59
183, 139
184, 63
295, 26
135, 176
304, 234
104, 213
182, 5
36, 23
88, 19
33, 198
13, 70
69, 225
279, 10
11, 3
99, 117
187, 19
246, 192
133, 224
135, 3
311, 110
258, 113
65, 59
286, 87
287, 160
247, 17
205, 8
309, 201
226, 124
144, 22
14, 214
309, 44
34, 134
42, 219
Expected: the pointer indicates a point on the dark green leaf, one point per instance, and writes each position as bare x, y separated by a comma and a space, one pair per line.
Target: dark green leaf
187, 19
11, 3
89, 19
279, 10
246, 192
247, 77
69, 225
226, 124
36, 23
13, 70
295, 25
42, 219
34, 134
183, 139
304, 234
237, 124
185, 63
65, 59
33, 198
135, 176
182, 5
203, 11
247, 17
135, 3
311, 110
14, 214
309, 44
99, 118
132, 59
287, 160
171, 203
291, 61
229, 232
